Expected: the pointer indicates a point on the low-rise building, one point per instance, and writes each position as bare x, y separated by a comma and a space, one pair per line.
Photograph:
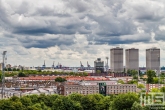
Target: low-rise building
93, 88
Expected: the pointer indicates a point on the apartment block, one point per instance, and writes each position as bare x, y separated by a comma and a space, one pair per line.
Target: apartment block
132, 59
116, 59
94, 89
153, 59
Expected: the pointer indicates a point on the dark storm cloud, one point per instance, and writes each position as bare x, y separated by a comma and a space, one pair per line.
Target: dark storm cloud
118, 40
160, 35
45, 42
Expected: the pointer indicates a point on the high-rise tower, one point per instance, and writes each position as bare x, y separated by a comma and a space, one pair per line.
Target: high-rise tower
153, 59
132, 59
116, 59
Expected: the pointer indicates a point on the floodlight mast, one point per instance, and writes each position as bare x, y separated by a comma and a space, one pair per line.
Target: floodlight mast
107, 65
3, 74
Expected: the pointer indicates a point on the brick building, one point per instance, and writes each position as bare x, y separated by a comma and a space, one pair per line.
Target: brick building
93, 88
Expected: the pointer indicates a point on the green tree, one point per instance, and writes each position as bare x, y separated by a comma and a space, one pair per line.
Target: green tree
9, 69
136, 106
162, 89
140, 86
124, 101
120, 81
76, 97
21, 74
106, 103
58, 104
150, 76
154, 90
98, 71
26, 101
134, 74
14, 69
60, 79
155, 80
88, 102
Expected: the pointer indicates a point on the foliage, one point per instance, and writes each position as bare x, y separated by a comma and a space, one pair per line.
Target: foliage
155, 80
136, 106
154, 90
60, 79
140, 86
21, 74
120, 81
98, 71
162, 89
124, 101
133, 73
150, 76
132, 82
128, 101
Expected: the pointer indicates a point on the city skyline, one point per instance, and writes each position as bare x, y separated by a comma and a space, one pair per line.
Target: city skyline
72, 31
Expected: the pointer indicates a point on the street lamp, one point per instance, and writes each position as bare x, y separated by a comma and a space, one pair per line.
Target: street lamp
3, 73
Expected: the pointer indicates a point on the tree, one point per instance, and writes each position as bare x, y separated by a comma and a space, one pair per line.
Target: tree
155, 80
14, 69
75, 97
26, 101
120, 81
150, 76
9, 69
134, 74
21, 74
124, 101
129, 72
140, 86
98, 71
60, 79
132, 82
154, 90
136, 106
162, 89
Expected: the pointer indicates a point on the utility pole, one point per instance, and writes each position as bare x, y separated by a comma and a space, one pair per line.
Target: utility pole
159, 72
3, 74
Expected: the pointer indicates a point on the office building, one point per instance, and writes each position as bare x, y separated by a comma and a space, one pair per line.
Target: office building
153, 59
116, 59
99, 65
132, 59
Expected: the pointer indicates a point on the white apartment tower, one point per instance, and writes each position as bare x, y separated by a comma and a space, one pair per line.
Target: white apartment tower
153, 59
132, 59
116, 59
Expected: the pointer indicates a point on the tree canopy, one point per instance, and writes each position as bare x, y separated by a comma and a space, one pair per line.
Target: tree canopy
150, 76
60, 79
128, 101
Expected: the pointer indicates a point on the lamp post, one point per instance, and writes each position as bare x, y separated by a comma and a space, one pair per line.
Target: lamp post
3, 74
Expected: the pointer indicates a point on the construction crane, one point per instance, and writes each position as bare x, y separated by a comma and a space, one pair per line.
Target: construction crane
53, 65
89, 67
82, 66
43, 66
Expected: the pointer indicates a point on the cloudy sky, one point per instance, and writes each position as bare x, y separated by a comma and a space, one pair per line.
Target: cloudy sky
70, 31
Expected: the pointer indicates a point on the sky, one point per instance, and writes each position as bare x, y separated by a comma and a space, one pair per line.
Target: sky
70, 31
